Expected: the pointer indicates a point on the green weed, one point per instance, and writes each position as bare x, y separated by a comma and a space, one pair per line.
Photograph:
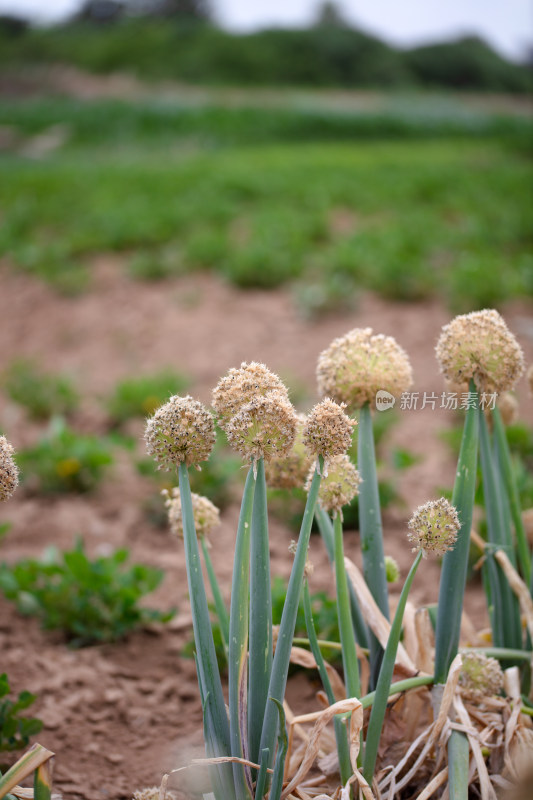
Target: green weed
64, 461
88, 600
43, 395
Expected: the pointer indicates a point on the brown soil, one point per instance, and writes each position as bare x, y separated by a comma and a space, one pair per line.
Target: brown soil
119, 716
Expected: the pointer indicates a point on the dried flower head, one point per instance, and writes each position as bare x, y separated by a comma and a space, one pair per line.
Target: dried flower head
479, 345
242, 385
182, 430
328, 430
147, 794
263, 428
433, 527
359, 364
508, 406
290, 471
392, 570
9, 475
339, 486
480, 676
206, 515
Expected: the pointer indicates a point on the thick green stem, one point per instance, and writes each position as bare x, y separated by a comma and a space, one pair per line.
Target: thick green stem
203, 636
280, 664
507, 631
455, 562
260, 659
458, 756
238, 637
349, 652
379, 706
505, 462
398, 687
371, 529
220, 606
325, 527
341, 734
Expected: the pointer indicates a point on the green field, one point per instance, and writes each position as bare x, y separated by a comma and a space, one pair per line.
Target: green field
407, 203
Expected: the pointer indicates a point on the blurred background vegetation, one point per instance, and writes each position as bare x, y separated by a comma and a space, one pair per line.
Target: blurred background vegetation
320, 158
178, 39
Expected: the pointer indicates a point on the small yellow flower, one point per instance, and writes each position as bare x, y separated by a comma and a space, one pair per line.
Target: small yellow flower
9, 476
182, 430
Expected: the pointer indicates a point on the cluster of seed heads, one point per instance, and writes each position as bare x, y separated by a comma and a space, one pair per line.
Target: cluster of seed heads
206, 515
480, 676
253, 408
242, 385
9, 476
290, 471
328, 430
433, 527
480, 346
182, 430
357, 365
339, 486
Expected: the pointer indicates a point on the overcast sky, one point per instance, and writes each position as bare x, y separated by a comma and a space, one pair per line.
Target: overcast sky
506, 24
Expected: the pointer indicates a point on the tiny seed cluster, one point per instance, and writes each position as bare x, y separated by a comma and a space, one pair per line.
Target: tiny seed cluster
9, 476
182, 430
357, 365
328, 430
479, 345
480, 676
339, 486
146, 794
433, 527
290, 471
265, 427
206, 515
392, 570
242, 385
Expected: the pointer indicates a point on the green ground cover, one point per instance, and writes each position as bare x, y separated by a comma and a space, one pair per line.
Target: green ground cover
408, 205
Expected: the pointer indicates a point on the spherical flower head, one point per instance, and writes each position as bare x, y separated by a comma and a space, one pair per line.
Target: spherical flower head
290, 471
480, 676
359, 364
9, 475
479, 345
182, 430
433, 527
206, 515
392, 570
328, 430
339, 486
151, 793
263, 428
240, 386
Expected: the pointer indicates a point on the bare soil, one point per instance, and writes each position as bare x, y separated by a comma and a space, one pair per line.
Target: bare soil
119, 716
